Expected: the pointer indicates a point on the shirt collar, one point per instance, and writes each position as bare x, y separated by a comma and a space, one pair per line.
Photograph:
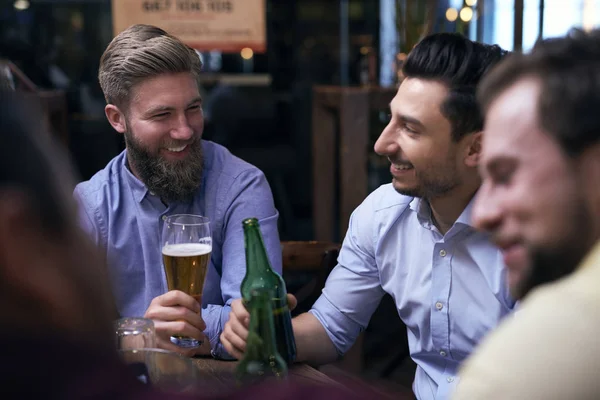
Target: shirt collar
138, 188
423, 210
421, 207
592, 258
465, 217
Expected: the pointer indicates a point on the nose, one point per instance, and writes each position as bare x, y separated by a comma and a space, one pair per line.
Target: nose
183, 130
487, 210
386, 144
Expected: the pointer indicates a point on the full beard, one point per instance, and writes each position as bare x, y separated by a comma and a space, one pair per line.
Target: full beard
550, 264
172, 181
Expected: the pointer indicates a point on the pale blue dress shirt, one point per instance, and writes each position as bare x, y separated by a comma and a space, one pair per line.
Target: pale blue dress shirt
124, 218
449, 290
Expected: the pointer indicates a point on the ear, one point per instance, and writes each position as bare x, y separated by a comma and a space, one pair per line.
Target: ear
473, 149
115, 117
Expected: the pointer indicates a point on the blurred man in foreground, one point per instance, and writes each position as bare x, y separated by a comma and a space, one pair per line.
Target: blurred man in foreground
540, 200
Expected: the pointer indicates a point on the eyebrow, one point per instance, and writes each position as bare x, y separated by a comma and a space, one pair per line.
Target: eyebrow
410, 120
406, 118
159, 109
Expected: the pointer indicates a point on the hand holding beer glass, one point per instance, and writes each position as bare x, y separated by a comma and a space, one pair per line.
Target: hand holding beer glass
186, 249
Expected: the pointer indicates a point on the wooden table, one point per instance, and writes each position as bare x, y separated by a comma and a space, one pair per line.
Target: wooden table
218, 376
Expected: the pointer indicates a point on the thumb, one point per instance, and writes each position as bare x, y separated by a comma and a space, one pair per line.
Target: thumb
292, 301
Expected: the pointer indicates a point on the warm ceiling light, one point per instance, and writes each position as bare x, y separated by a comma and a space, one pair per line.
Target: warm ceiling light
471, 3
466, 14
21, 5
451, 14
246, 53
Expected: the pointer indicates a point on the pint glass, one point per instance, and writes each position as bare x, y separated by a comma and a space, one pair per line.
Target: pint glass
186, 249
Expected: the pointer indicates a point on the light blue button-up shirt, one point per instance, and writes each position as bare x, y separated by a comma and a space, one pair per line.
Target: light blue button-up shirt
450, 290
123, 217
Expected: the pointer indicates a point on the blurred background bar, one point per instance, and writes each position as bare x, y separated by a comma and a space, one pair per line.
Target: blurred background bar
303, 98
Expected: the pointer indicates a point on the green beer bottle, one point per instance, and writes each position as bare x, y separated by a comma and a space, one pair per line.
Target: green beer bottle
259, 274
261, 359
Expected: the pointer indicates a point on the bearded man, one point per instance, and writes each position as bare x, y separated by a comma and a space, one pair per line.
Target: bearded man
150, 81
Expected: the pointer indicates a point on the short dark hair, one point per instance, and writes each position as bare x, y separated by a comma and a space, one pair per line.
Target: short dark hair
32, 163
567, 70
460, 64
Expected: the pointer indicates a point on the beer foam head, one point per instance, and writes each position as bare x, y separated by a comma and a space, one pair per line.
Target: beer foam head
186, 249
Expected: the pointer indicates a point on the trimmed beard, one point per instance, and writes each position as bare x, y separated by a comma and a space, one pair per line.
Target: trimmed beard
432, 185
172, 181
551, 264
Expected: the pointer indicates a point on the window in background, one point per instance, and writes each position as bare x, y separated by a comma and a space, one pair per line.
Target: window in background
531, 23
499, 22
560, 16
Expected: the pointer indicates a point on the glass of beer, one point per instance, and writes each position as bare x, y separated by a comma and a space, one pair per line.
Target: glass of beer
186, 249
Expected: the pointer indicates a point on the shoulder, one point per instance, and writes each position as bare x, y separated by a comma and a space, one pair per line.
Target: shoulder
93, 192
538, 342
382, 205
381, 209
219, 162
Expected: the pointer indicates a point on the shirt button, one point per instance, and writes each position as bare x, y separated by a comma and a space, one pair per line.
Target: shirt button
164, 217
439, 305
443, 253
443, 353
450, 379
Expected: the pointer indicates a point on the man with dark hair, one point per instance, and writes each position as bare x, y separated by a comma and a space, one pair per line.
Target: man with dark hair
413, 238
540, 200
150, 81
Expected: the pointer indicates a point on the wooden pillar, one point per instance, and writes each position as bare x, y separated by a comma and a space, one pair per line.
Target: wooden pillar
518, 31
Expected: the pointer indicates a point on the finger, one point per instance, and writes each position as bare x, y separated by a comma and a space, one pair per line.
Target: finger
240, 312
292, 301
236, 340
230, 348
166, 329
238, 329
176, 313
178, 298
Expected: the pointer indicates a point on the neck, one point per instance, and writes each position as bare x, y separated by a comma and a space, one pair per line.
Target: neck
445, 210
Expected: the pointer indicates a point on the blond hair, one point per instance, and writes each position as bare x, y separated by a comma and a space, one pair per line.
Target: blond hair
138, 53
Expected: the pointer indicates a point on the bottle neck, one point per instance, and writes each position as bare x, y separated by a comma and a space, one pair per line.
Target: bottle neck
257, 260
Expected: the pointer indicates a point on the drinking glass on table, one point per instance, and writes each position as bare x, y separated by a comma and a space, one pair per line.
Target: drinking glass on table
186, 248
134, 333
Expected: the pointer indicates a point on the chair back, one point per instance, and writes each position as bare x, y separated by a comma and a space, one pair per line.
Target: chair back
306, 265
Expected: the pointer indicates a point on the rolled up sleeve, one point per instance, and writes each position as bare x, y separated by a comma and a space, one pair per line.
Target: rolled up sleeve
353, 290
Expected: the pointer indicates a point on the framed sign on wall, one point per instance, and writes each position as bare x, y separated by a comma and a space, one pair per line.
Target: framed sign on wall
225, 25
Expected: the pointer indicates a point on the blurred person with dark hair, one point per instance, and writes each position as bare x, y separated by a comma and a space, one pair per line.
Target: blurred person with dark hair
56, 306
56, 311
150, 80
413, 238
540, 201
